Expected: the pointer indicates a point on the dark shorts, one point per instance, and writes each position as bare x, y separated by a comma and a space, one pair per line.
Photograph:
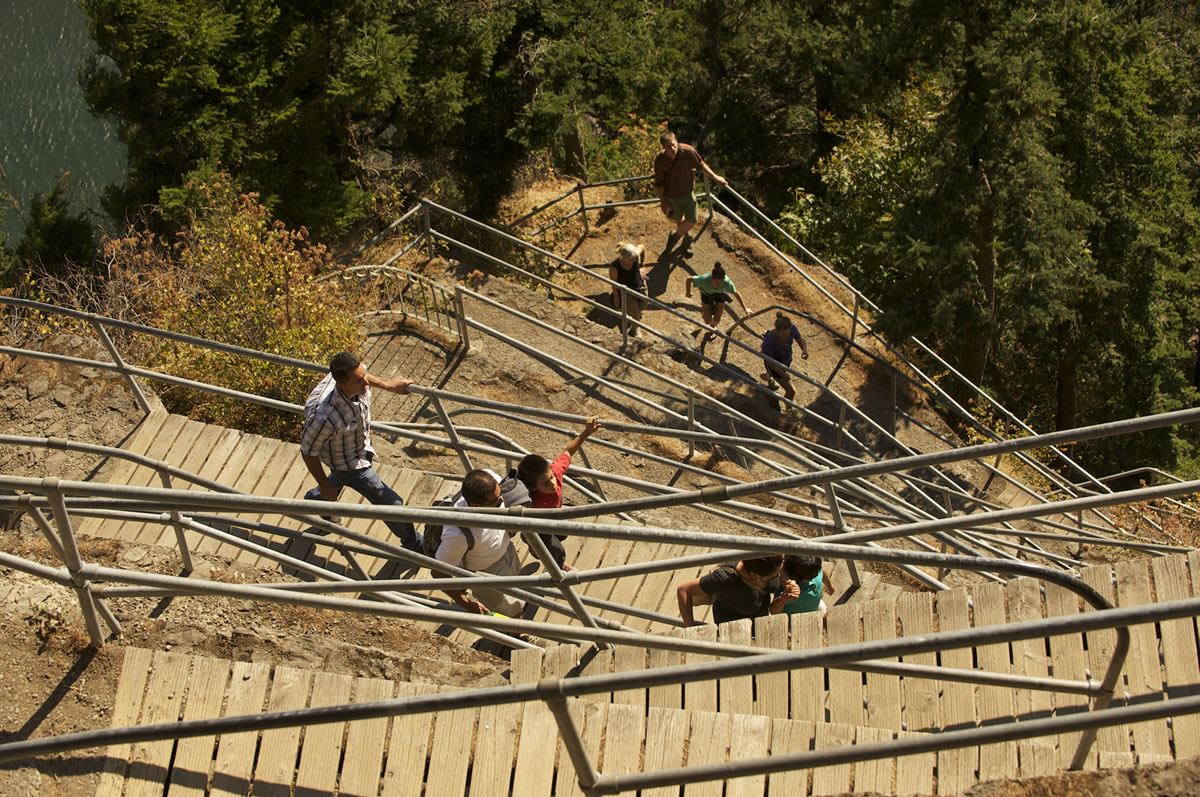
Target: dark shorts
714, 298
777, 370
682, 207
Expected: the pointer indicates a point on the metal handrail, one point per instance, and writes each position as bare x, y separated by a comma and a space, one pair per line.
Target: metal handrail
926, 384
443, 302
275, 404
175, 380
128, 372
846, 405
753, 662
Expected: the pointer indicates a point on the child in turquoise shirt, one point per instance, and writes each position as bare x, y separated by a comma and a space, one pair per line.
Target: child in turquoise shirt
806, 585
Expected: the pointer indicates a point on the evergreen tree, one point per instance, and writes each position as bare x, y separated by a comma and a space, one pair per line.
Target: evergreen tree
57, 241
300, 101
1023, 206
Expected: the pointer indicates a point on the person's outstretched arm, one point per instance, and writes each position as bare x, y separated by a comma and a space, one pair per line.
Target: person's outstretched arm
800, 339
397, 385
684, 593
589, 427
716, 178
737, 295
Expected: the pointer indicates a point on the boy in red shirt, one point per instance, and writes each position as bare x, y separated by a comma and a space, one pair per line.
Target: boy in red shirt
545, 482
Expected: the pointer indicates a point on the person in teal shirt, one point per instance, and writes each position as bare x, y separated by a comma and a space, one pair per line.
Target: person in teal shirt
716, 290
802, 592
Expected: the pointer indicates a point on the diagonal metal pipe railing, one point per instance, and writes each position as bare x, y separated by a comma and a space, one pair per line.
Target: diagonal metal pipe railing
263, 401
948, 483
536, 352
1094, 432
617, 286
178, 381
925, 383
128, 371
1118, 619
814, 479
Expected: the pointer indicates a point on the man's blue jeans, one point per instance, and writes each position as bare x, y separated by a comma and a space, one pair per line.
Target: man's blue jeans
366, 482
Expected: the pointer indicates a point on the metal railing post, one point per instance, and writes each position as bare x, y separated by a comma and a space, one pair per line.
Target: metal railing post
548, 690
841, 426
452, 433
138, 395
177, 523
691, 422
624, 317
83, 588
43, 524
596, 483
840, 525
1107, 687
854, 317
539, 549
428, 231
708, 197
583, 210
895, 404
463, 327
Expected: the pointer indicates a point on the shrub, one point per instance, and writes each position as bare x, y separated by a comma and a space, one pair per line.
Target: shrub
235, 276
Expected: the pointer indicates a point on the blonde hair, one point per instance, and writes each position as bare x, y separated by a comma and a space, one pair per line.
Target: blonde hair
627, 250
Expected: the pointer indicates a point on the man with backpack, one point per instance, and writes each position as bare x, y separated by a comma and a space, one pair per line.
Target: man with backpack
483, 550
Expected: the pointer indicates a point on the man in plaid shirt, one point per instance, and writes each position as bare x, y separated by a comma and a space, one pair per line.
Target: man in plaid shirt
337, 435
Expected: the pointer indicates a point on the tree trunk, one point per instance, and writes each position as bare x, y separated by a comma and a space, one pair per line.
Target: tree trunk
1064, 393
576, 165
974, 343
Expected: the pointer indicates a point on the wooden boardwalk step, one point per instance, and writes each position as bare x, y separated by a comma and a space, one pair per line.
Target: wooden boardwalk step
495, 750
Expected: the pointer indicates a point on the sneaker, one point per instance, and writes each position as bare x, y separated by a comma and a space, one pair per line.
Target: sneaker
685, 246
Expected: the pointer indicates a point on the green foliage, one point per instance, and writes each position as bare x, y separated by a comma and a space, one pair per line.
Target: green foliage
629, 153
1021, 203
234, 276
293, 99
595, 61
57, 241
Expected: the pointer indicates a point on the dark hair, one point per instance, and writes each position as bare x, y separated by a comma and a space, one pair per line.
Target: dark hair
531, 469
666, 138
718, 272
764, 565
477, 487
802, 568
782, 321
343, 364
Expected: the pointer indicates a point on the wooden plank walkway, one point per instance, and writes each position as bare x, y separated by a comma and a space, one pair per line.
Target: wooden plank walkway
803, 709
496, 750
887, 703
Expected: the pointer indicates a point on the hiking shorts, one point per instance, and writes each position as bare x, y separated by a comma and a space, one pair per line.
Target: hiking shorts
682, 207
